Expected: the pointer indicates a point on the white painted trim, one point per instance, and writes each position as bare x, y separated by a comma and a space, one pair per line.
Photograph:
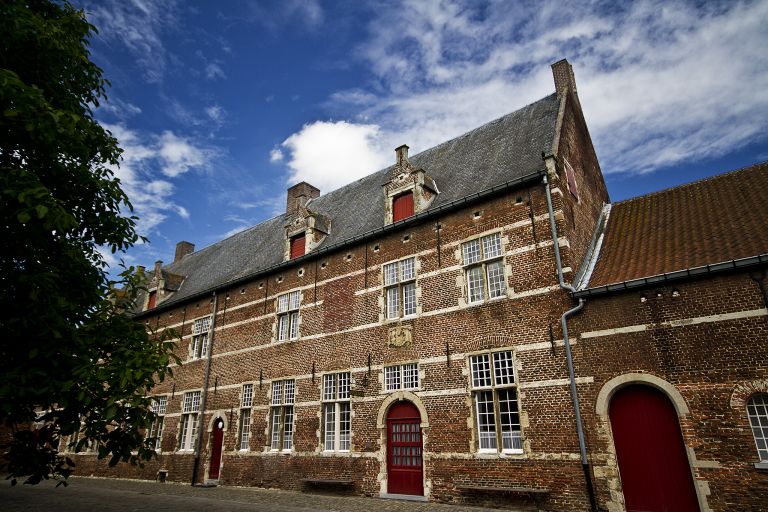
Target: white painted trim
678, 323
616, 383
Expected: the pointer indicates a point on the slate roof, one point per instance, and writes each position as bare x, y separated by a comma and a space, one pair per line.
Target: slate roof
706, 222
503, 150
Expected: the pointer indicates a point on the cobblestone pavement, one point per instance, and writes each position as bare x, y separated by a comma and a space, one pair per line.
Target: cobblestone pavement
107, 495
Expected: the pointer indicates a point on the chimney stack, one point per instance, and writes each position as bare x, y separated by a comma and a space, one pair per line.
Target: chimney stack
182, 249
158, 268
299, 195
402, 154
562, 71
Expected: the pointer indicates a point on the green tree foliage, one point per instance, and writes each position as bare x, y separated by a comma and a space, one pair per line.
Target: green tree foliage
67, 348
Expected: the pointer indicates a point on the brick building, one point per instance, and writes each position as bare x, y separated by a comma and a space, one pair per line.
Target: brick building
477, 323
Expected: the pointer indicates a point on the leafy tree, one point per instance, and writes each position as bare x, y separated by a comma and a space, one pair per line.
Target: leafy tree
67, 348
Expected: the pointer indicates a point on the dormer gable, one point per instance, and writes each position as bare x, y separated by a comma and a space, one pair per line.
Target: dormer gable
408, 189
161, 283
305, 229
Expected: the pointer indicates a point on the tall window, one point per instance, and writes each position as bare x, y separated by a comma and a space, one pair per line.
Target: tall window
484, 268
336, 411
400, 288
152, 300
495, 395
200, 337
288, 316
402, 206
190, 409
757, 410
298, 243
246, 402
401, 376
281, 426
159, 405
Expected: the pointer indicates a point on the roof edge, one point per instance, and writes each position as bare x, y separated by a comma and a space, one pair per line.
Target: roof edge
758, 260
433, 212
581, 281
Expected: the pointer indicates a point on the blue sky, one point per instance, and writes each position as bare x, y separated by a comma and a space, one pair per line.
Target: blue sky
220, 106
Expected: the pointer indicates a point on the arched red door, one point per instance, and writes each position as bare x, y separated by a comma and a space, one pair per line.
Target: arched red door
405, 468
216, 444
653, 464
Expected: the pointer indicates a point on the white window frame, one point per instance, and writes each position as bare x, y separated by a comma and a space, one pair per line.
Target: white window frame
155, 430
287, 308
188, 421
399, 278
757, 412
200, 334
282, 416
483, 261
244, 429
396, 376
493, 376
336, 412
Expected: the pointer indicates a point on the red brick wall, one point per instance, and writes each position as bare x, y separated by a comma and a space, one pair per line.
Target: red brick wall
341, 329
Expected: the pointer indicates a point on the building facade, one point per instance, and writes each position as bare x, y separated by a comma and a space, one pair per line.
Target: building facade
478, 324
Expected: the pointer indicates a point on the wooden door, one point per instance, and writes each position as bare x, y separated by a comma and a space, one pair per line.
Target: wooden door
216, 444
404, 450
402, 206
653, 464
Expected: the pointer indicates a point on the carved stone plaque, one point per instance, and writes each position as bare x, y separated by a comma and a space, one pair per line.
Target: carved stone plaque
400, 336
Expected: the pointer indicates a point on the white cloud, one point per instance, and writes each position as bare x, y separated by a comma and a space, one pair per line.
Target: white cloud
661, 83
118, 108
276, 155
213, 71
330, 154
178, 154
215, 113
149, 164
138, 25
276, 16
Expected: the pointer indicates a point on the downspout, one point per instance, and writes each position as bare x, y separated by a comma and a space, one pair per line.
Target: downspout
568, 354
204, 397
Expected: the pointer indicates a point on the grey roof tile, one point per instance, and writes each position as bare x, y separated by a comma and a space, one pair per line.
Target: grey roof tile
500, 151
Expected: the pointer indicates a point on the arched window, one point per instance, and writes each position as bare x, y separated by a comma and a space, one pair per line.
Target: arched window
757, 410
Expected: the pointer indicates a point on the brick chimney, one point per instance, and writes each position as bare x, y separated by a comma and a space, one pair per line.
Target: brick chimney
182, 249
299, 195
402, 154
158, 268
562, 71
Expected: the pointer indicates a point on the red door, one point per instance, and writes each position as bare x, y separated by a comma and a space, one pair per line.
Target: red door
402, 206
297, 245
653, 464
404, 462
218, 440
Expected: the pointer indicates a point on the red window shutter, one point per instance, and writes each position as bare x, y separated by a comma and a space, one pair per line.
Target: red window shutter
297, 246
152, 299
570, 176
402, 206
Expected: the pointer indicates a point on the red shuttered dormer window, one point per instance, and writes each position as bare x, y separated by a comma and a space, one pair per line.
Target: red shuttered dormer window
402, 206
152, 302
297, 245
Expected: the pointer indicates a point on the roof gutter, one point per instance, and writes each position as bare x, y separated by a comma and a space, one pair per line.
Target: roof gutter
678, 275
419, 217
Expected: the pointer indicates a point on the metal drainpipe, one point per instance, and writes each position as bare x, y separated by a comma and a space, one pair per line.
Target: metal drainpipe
568, 354
204, 396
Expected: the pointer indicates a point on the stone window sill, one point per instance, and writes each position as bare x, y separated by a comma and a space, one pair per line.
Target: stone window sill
761, 465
